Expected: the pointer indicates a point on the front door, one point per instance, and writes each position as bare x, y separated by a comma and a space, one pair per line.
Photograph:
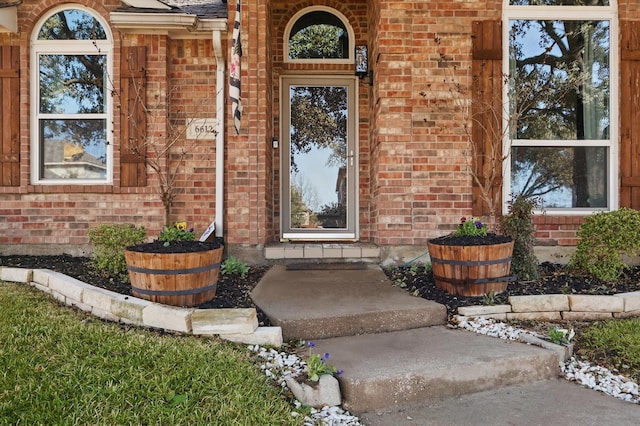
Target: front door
319, 162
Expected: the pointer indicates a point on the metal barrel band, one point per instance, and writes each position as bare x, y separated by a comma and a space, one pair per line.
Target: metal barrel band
175, 292
199, 269
470, 262
506, 278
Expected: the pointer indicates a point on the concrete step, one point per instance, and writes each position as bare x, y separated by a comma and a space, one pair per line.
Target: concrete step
541, 403
406, 367
322, 303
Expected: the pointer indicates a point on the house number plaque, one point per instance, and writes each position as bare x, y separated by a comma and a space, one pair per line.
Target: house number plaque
202, 128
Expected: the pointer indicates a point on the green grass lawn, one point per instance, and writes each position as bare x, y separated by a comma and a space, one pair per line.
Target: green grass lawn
614, 343
61, 366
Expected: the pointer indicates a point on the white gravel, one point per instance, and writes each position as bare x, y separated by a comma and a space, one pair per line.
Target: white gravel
277, 365
583, 373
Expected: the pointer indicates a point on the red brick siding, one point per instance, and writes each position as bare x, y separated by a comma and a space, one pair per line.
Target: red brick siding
412, 153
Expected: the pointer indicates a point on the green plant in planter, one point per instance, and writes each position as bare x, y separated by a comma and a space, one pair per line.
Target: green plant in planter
604, 238
518, 224
108, 242
177, 232
471, 228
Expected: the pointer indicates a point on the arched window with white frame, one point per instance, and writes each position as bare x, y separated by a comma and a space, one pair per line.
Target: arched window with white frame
71, 106
319, 34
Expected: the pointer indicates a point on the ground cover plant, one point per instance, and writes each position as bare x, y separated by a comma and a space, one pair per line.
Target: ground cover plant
60, 365
614, 343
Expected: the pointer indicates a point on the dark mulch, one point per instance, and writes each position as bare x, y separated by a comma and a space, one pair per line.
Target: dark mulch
233, 291
554, 279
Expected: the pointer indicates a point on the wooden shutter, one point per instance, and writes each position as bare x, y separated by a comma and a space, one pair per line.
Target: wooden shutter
630, 115
10, 113
486, 111
133, 118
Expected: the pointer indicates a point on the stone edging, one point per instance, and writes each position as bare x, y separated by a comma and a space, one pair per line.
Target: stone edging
559, 307
236, 325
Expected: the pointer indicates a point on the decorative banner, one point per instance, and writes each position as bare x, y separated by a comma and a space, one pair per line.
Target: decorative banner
234, 73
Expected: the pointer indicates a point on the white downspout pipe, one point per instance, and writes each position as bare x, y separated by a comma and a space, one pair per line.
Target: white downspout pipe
220, 119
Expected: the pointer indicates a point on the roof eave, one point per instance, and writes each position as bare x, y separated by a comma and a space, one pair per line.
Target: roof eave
165, 22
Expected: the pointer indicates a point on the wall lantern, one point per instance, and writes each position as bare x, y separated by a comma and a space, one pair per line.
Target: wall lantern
362, 63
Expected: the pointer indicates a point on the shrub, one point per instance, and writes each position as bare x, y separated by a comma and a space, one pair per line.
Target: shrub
109, 242
518, 225
604, 238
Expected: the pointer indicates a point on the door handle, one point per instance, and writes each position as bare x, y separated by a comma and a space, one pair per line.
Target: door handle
350, 157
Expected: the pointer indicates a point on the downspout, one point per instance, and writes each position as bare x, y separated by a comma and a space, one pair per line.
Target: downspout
220, 118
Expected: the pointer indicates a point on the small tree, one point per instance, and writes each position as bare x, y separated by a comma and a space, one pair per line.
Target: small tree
492, 115
162, 152
518, 225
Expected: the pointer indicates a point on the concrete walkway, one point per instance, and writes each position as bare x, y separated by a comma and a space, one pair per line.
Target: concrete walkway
329, 302
541, 403
402, 366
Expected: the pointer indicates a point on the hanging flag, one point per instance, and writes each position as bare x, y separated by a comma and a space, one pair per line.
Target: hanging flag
234, 72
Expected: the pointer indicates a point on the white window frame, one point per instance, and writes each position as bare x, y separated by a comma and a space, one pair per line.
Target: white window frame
69, 47
567, 13
345, 22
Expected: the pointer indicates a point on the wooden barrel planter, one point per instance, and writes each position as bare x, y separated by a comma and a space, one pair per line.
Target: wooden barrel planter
177, 279
471, 270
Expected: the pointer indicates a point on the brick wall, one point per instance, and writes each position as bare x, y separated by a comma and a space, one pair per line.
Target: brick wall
419, 144
60, 215
192, 88
412, 150
248, 171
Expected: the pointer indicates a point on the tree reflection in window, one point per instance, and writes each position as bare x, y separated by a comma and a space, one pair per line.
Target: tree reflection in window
567, 61
318, 35
72, 95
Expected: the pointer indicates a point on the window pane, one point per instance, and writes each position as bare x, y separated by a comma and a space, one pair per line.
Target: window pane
72, 84
73, 149
559, 2
560, 79
318, 35
318, 156
72, 24
563, 177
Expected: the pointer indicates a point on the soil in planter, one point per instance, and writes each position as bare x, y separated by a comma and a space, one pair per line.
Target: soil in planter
175, 247
467, 240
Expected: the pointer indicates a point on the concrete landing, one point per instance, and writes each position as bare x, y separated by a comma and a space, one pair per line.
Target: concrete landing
316, 304
407, 367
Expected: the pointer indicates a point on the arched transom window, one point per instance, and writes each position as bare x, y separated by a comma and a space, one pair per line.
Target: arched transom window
319, 34
71, 105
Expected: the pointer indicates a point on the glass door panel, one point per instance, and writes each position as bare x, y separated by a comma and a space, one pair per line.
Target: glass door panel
319, 161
